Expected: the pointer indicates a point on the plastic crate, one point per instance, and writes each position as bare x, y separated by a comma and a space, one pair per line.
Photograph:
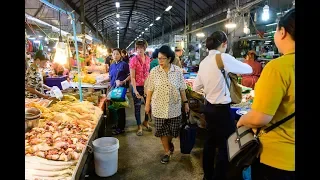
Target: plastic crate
55, 81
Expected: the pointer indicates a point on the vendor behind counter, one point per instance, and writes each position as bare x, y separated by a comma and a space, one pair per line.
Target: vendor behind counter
249, 80
34, 86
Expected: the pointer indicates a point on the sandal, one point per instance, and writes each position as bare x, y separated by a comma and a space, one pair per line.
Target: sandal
149, 128
117, 132
139, 132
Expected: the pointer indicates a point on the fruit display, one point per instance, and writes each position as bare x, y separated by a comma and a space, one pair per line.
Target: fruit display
86, 78
93, 78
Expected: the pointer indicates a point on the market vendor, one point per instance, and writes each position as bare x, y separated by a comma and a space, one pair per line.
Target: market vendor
34, 86
249, 80
60, 70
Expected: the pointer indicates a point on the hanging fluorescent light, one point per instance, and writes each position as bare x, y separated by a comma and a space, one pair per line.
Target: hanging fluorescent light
201, 34
272, 24
117, 27
142, 32
168, 8
117, 4
140, 35
146, 29
117, 23
151, 24
117, 15
158, 18
231, 25
265, 13
246, 30
118, 32
40, 36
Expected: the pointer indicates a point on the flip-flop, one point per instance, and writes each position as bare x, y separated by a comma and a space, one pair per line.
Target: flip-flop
139, 132
117, 132
149, 128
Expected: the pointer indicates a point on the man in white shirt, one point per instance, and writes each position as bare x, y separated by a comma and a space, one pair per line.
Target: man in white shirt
220, 125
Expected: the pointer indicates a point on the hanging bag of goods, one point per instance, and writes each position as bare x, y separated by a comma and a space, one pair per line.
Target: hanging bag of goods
234, 88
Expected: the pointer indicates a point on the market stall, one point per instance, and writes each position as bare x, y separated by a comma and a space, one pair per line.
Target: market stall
59, 132
57, 142
197, 100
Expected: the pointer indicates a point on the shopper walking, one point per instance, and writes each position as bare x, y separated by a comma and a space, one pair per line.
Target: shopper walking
119, 76
251, 79
154, 61
275, 100
166, 89
139, 71
124, 55
217, 109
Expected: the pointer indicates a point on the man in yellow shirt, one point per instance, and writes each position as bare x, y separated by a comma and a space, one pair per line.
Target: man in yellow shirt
275, 100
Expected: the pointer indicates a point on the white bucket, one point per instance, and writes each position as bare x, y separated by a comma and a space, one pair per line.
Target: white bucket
105, 152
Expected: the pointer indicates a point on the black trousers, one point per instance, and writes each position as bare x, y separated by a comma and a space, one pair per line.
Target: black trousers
261, 171
120, 118
220, 126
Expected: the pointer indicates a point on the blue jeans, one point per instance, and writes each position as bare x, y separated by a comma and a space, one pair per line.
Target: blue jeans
137, 104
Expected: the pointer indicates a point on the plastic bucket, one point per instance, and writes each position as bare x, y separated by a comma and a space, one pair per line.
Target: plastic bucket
105, 151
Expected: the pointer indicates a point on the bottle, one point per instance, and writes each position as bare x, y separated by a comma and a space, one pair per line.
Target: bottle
239, 79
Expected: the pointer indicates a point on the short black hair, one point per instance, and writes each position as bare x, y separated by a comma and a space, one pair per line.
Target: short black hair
167, 51
41, 56
141, 43
155, 53
216, 39
124, 51
287, 21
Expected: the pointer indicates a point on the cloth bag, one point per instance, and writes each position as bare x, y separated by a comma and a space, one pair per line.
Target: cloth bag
234, 88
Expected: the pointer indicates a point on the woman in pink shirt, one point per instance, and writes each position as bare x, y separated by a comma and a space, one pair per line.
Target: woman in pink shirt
250, 80
139, 71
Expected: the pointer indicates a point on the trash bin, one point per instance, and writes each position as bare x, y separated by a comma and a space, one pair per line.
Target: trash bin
105, 151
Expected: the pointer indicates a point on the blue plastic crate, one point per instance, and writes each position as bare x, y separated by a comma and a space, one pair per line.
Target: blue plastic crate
55, 81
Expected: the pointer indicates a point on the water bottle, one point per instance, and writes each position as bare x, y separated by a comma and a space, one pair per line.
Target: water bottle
239, 80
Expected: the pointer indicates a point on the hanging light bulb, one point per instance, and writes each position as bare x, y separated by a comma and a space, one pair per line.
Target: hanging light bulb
228, 13
61, 53
293, 4
255, 17
246, 30
265, 13
231, 25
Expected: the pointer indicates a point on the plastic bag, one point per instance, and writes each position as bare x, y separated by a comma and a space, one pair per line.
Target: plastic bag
118, 105
246, 173
56, 92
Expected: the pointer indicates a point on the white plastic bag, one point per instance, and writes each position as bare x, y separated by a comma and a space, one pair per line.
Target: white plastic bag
55, 92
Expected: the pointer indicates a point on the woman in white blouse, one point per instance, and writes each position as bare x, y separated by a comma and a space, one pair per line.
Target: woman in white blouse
166, 89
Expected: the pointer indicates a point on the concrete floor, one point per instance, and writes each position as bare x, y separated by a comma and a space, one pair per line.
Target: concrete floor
139, 157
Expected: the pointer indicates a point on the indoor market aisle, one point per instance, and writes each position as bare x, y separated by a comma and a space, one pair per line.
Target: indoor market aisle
139, 157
